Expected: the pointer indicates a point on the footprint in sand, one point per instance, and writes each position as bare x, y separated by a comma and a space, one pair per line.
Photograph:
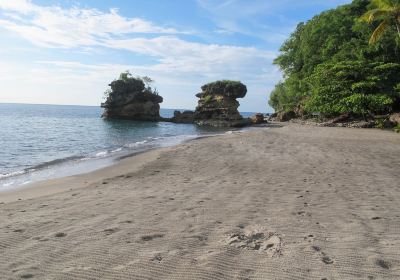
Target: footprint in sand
327, 260
382, 263
110, 231
157, 258
27, 276
377, 260
151, 237
309, 238
258, 239
60, 234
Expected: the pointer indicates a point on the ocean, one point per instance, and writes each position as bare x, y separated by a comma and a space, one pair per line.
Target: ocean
39, 142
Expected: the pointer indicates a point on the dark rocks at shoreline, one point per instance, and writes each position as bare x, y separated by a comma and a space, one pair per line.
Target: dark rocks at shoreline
283, 116
131, 100
183, 117
217, 105
258, 118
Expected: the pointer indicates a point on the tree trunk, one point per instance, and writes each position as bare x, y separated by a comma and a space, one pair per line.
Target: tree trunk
398, 26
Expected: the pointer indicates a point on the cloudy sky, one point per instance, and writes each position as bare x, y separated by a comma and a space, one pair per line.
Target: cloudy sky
66, 52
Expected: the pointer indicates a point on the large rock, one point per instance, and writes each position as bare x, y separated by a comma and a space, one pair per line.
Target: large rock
218, 106
395, 118
183, 117
130, 99
257, 118
283, 116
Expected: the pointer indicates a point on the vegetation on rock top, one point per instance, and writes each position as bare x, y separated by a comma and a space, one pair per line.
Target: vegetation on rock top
138, 88
234, 89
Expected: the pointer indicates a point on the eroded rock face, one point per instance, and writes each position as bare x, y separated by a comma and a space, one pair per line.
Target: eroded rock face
218, 105
130, 99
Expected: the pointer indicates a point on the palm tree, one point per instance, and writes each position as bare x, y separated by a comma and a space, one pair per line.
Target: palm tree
387, 11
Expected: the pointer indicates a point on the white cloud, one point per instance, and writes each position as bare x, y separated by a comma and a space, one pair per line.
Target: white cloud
52, 26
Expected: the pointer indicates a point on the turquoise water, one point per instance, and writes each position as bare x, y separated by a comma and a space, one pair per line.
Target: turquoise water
48, 141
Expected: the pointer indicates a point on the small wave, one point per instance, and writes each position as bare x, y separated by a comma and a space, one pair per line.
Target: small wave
101, 154
135, 144
15, 173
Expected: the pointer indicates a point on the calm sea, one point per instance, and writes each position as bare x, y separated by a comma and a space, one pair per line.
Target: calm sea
48, 141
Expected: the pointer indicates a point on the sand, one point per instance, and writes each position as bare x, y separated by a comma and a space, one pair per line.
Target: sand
296, 202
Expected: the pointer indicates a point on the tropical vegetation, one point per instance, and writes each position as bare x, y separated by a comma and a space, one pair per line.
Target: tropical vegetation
330, 68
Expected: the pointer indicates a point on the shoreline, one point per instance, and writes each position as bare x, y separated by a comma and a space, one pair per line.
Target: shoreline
235, 206
118, 167
47, 187
68, 168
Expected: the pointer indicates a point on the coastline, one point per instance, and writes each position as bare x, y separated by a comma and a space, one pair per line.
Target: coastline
68, 183
122, 165
322, 201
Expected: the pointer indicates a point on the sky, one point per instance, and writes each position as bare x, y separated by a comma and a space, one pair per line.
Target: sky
67, 52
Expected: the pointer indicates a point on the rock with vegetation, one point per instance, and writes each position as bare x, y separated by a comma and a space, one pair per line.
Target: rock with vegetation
331, 66
218, 106
132, 98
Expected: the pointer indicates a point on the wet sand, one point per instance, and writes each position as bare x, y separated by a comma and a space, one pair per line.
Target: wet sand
297, 202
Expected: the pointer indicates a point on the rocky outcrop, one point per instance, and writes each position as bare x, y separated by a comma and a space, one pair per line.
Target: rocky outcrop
218, 105
257, 118
129, 98
283, 116
395, 118
183, 117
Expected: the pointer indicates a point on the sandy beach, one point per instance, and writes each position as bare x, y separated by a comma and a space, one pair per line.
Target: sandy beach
291, 202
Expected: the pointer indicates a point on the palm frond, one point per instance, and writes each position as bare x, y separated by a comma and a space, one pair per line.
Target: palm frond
378, 32
371, 15
383, 4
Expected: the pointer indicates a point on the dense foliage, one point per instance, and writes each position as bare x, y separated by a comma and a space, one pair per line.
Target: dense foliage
330, 67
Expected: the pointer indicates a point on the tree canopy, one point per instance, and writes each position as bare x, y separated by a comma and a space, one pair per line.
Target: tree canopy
329, 66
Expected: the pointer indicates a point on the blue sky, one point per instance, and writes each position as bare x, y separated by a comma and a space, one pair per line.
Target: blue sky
66, 52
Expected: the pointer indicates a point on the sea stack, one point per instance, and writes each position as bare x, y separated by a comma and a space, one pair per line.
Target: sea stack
129, 98
218, 105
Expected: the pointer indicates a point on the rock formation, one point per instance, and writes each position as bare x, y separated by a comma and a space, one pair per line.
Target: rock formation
183, 117
258, 118
129, 98
395, 118
218, 105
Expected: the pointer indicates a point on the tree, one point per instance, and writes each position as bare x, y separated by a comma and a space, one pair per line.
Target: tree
388, 12
356, 87
147, 80
125, 76
333, 43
